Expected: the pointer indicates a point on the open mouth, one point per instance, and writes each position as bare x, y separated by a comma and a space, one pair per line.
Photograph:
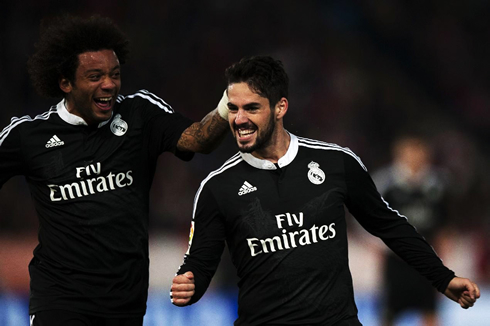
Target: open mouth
245, 134
104, 103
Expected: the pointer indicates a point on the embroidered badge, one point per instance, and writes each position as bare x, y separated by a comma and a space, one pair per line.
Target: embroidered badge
119, 126
315, 174
191, 236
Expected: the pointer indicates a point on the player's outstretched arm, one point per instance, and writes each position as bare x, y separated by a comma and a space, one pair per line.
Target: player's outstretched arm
206, 135
182, 289
462, 291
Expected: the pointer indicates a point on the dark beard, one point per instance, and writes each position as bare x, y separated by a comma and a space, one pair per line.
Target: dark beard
262, 140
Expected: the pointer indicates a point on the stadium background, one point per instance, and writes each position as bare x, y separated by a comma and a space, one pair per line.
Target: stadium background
361, 72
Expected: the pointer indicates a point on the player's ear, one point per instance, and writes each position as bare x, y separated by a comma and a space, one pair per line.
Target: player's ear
65, 85
281, 108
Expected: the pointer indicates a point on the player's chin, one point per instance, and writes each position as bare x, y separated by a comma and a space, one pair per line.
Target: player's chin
246, 148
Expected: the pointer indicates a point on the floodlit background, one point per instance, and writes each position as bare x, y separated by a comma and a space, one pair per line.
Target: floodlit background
361, 73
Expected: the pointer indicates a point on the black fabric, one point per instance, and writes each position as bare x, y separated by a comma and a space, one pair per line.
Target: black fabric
69, 318
286, 232
91, 188
406, 289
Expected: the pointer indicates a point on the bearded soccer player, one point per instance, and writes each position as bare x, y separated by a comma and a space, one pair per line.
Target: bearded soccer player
89, 162
279, 205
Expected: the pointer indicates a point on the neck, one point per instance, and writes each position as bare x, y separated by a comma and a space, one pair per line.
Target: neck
276, 148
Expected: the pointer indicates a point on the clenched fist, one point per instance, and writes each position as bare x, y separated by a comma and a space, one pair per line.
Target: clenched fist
463, 291
182, 289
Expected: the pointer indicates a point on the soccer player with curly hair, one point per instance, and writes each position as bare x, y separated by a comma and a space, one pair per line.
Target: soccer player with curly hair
89, 162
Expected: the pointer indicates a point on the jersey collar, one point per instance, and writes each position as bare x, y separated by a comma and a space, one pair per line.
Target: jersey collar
268, 165
74, 119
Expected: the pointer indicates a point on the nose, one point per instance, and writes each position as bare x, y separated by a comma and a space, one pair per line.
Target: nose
108, 83
241, 117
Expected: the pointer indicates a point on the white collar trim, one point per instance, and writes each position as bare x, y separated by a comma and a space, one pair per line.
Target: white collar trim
74, 119
283, 161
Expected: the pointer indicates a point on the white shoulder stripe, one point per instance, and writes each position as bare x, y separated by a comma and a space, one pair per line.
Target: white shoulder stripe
143, 93
234, 160
14, 122
316, 144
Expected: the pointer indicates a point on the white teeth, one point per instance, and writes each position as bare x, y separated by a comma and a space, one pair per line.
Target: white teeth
245, 132
105, 99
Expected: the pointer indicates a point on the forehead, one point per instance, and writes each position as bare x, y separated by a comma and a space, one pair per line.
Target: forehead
241, 93
97, 60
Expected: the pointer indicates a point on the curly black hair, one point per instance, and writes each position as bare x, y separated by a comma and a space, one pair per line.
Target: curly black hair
60, 43
263, 74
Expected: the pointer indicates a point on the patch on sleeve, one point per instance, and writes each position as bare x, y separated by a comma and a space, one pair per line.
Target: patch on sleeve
191, 236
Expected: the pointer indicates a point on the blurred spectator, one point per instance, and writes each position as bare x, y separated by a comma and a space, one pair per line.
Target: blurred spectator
414, 187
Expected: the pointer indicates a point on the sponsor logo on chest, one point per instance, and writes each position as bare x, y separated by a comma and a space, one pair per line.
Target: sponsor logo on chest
90, 182
289, 239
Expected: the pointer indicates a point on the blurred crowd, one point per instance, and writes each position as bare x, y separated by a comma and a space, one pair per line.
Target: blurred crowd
361, 74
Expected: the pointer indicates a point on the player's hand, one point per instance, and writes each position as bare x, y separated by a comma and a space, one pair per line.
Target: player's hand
223, 106
182, 289
463, 291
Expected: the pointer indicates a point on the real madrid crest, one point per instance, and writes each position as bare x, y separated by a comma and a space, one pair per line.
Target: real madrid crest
315, 174
119, 126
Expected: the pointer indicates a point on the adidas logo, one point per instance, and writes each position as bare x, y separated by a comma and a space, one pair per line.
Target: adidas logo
246, 188
54, 141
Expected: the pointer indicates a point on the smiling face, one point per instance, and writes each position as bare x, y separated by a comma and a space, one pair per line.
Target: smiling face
97, 83
255, 126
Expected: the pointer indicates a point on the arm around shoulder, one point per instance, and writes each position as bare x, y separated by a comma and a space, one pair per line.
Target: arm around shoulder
206, 135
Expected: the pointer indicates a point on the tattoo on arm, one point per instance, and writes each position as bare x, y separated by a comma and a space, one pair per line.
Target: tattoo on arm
204, 136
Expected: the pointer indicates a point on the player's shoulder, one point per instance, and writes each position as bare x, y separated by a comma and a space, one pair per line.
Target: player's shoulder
143, 98
325, 147
20, 124
230, 167
320, 145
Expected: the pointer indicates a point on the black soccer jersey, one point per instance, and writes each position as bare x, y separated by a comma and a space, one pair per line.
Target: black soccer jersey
91, 188
285, 228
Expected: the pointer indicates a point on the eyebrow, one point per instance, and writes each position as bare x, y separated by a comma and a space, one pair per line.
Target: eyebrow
252, 105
